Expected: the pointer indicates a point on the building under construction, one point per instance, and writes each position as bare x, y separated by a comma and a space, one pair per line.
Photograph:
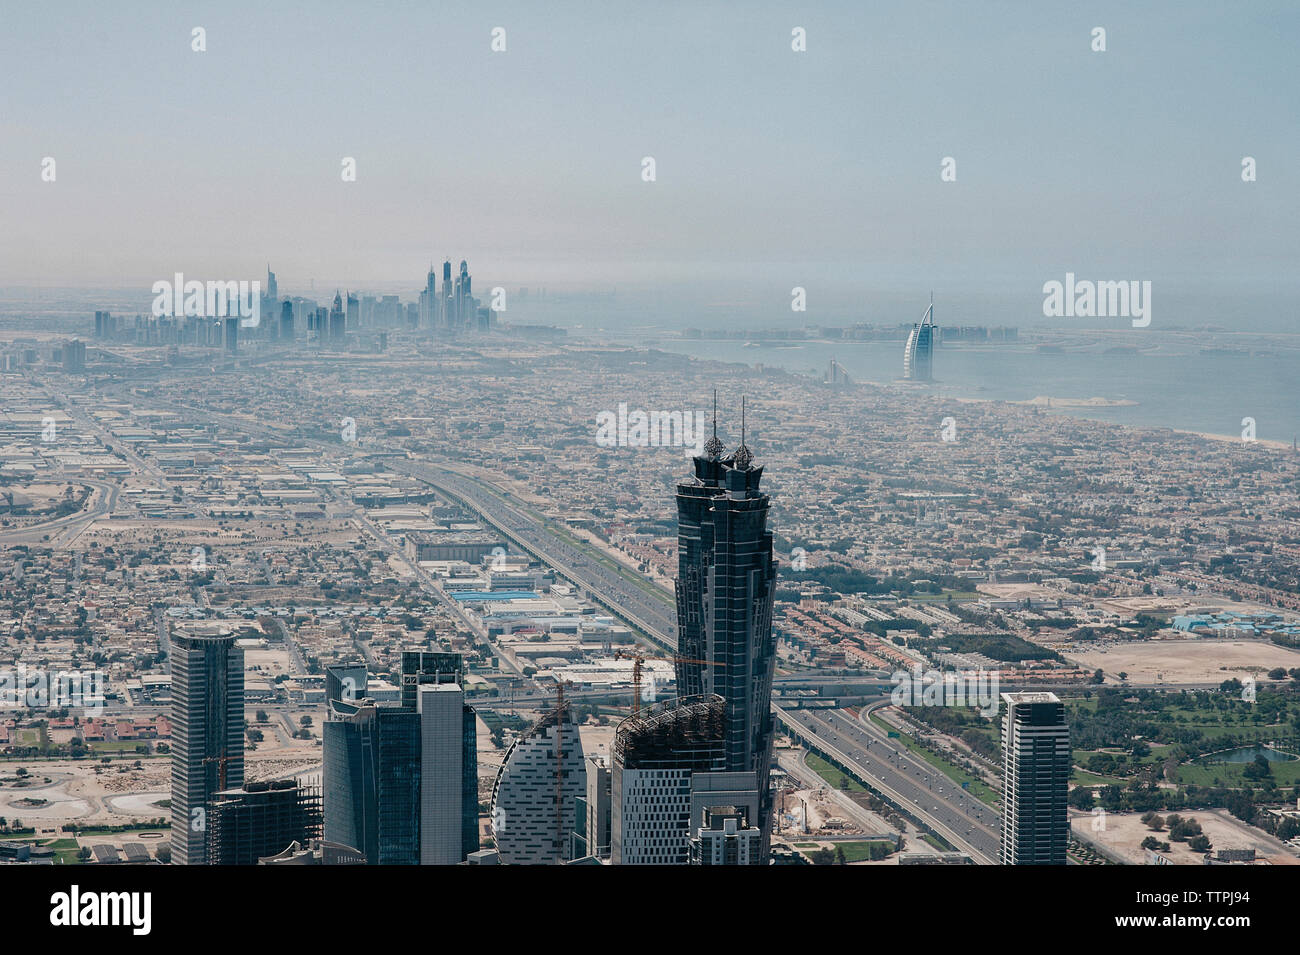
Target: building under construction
261, 819
536, 795
653, 760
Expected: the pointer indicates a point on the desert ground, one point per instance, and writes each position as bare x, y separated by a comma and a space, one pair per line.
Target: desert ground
1122, 833
1194, 660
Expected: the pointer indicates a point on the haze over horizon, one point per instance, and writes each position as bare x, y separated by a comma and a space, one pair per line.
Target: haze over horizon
774, 168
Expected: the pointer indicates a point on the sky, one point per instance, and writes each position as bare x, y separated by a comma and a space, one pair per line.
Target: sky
774, 168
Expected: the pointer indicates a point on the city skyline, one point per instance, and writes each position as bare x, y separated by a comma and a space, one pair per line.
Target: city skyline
562, 215
769, 435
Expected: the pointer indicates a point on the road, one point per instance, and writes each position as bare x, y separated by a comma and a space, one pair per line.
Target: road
906, 779
621, 591
62, 531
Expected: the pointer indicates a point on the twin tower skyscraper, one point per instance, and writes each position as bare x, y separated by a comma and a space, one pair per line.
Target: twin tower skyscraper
690, 778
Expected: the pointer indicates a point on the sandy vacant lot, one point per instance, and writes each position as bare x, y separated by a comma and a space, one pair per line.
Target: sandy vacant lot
1187, 661
1124, 832
121, 792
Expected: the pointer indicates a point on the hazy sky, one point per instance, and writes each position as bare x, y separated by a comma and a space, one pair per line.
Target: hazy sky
774, 168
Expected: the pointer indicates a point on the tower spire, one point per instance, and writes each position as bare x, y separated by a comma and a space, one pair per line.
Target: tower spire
713, 447
743, 456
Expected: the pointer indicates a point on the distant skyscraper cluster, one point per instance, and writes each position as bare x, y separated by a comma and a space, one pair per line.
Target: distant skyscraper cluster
449, 310
453, 309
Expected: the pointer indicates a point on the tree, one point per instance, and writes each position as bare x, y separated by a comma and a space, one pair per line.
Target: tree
1258, 769
839, 856
1199, 844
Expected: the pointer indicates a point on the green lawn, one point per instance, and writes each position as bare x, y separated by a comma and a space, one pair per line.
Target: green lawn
861, 851
114, 746
1081, 777
943, 596
65, 850
1232, 775
832, 775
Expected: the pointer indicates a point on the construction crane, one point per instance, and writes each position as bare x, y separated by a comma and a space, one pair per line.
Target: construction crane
559, 768
638, 658
221, 769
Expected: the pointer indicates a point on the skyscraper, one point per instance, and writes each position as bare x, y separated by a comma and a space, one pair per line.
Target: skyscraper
345, 682
429, 301
725, 837
371, 781
286, 321
591, 838
74, 356
1035, 777
424, 667
536, 794
726, 581
918, 354
337, 321
207, 715
441, 745
382, 761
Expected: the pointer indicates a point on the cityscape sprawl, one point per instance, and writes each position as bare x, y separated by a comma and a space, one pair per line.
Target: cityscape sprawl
753, 435
385, 565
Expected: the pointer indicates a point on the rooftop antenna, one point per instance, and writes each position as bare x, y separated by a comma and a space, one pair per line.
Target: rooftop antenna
742, 420
715, 412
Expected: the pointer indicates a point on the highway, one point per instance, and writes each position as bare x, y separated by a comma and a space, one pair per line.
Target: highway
62, 531
906, 779
624, 593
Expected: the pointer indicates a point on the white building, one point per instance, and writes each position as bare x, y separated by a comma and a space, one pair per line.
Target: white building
529, 827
